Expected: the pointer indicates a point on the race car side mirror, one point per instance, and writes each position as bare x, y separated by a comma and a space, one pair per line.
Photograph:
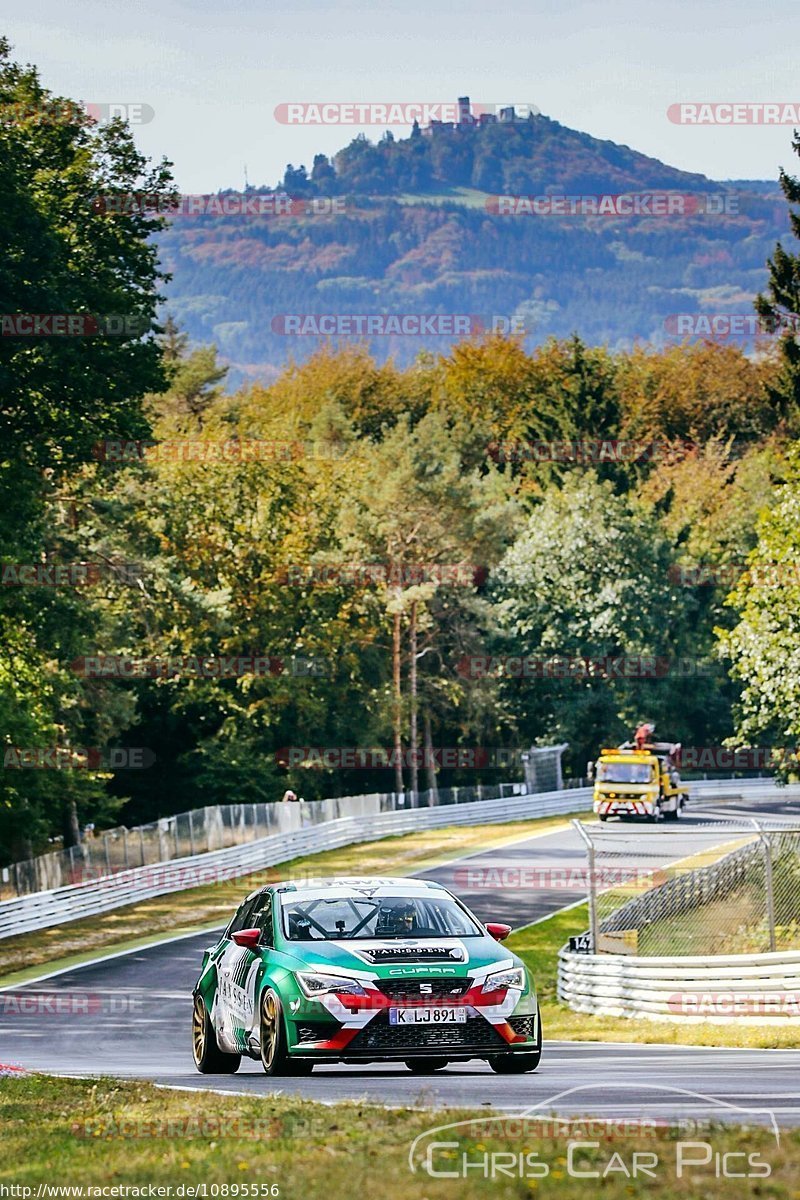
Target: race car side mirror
498, 932
249, 938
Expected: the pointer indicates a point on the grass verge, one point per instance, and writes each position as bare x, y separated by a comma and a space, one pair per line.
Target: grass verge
106, 1134
200, 908
538, 945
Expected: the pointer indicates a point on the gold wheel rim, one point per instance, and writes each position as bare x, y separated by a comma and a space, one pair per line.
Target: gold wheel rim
198, 1030
269, 1029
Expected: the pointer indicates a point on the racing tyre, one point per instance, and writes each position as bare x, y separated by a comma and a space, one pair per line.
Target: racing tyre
518, 1064
515, 1064
603, 816
208, 1058
673, 816
425, 1066
275, 1057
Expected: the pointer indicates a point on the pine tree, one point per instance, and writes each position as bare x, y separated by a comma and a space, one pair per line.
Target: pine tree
780, 308
173, 342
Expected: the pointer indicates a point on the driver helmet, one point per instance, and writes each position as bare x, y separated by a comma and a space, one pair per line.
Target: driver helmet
397, 918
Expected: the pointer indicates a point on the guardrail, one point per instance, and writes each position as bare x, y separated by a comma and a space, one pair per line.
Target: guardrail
215, 827
751, 988
303, 829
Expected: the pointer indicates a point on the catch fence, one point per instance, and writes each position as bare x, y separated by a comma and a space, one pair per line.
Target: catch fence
650, 895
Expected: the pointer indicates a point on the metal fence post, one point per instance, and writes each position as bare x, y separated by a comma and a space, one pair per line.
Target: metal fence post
191, 833
592, 882
769, 889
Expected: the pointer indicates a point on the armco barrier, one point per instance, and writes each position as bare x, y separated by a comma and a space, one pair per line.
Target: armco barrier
304, 829
201, 830
750, 988
308, 829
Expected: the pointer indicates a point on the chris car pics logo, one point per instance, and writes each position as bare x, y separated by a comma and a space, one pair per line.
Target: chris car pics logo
540, 1143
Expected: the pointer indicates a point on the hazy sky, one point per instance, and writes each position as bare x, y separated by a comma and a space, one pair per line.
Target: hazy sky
214, 72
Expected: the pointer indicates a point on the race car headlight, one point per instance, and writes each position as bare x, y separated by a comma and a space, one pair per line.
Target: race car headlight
314, 985
514, 977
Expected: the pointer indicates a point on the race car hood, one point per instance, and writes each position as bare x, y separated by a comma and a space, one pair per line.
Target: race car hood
453, 956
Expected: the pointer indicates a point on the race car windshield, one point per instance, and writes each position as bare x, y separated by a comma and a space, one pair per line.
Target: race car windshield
624, 773
319, 918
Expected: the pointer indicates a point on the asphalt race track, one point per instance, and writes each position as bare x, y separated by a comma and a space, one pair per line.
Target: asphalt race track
130, 1014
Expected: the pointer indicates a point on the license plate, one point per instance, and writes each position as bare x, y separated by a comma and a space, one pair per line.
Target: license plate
427, 1016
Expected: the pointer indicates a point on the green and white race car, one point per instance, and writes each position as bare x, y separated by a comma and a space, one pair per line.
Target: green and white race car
362, 970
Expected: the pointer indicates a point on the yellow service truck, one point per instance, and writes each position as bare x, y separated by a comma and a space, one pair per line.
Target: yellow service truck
639, 781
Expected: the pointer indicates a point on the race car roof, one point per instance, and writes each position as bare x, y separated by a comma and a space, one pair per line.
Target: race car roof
354, 883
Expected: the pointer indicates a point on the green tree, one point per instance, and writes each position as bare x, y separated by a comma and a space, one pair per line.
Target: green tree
764, 645
588, 579
780, 307
66, 252
414, 506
